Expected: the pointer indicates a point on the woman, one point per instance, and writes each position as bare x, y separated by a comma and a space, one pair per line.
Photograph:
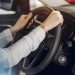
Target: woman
12, 55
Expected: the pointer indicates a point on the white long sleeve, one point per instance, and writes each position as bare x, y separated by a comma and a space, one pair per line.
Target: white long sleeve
12, 55
5, 37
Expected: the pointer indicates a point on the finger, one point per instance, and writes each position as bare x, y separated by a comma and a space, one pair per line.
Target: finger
60, 17
55, 11
29, 25
22, 17
20, 20
27, 18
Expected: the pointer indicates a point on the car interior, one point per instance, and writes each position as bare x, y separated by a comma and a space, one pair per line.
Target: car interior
56, 54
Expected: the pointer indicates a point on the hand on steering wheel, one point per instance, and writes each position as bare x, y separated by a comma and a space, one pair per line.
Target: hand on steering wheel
21, 23
53, 20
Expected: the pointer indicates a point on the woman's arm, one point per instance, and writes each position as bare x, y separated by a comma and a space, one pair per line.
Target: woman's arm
7, 35
21, 23
11, 56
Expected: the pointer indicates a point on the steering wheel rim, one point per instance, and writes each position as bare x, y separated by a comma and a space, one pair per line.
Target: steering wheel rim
50, 54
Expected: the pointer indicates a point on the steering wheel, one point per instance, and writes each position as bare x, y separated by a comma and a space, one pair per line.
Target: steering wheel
42, 57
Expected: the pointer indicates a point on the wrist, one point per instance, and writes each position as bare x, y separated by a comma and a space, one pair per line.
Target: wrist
13, 30
44, 28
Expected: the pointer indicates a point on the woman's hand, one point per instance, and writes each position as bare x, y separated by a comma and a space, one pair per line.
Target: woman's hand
53, 20
21, 23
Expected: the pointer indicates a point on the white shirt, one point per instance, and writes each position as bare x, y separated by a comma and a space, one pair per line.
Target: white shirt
11, 56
